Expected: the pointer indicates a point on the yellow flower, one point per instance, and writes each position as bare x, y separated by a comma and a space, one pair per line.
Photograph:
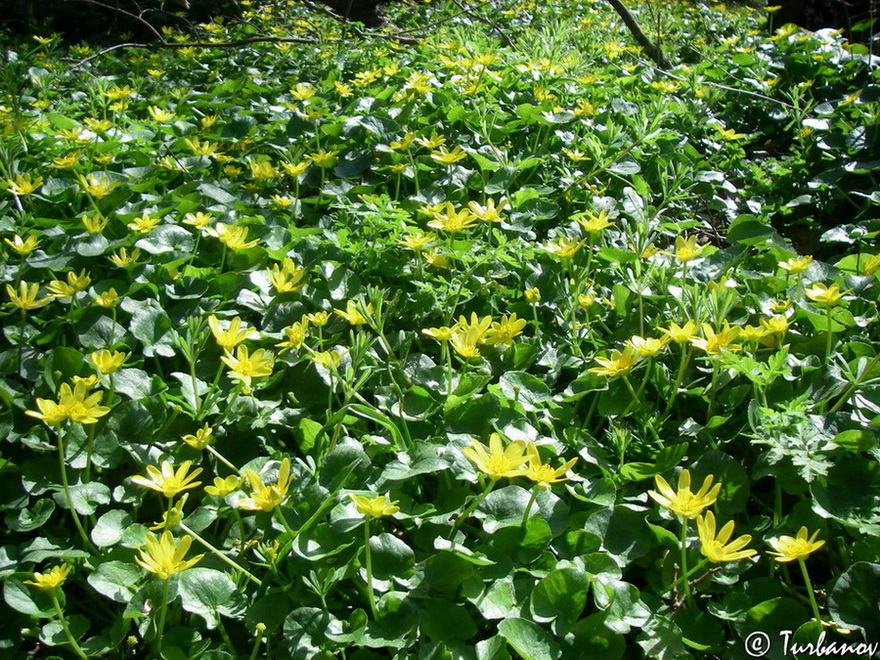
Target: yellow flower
586, 300
446, 157
263, 497
163, 557
246, 366
296, 335
232, 336
282, 201
453, 221
172, 517
159, 115
23, 246
54, 578
532, 295
97, 186
288, 277
327, 358
352, 314
23, 184
775, 325
564, 247
323, 159
107, 299
825, 295
197, 220
205, 148
73, 404
403, 143
263, 169
74, 284
871, 265
165, 480
788, 548
796, 264
417, 241
144, 224
295, 169
683, 502
490, 212
432, 142
687, 249
645, 346
116, 92
780, 306
234, 237
201, 438
222, 487
108, 362
680, 334
714, 343
716, 548
503, 332
618, 363
730, 134
122, 258
498, 461
467, 334
594, 223
94, 224
442, 333
544, 475
66, 162
26, 297
319, 319
375, 507
435, 259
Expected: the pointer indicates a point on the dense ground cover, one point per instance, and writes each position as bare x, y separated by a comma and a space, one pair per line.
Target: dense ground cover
359, 349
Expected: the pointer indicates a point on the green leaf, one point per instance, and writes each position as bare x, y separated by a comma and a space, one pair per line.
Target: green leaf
27, 599
171, 240
734, 480
270, 610
562, 594
444, 621
528, 639
624, 533
853, 601
32, 517
86, 498
209, 593
591, 638
527, 390
110, 528
52, 634
391, 557
134, 383
116, 580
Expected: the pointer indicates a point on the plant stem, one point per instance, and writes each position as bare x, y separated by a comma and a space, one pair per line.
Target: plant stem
854, 386
682, 365
684, 577
261, 628
226, 560
160, 628
830, 336
65, 484
473, 505
63, 621
369, 566
528, 510
684, 560
812, 595
220, 457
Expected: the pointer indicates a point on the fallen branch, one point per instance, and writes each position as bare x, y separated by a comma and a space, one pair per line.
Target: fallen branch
647, 45
507, 41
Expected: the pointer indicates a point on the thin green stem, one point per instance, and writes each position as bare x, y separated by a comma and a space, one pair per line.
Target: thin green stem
528, 510
473, 505
222, 557
369, 565
220, 457
684, 561
812, 595
62, 464
160, 628
829, 341
684, 577
261, 629
63, 621
854, 386
682, 366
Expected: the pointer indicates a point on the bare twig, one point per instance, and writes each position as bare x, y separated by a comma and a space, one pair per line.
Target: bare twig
196, 44
506, 40
397, 36
652, 50
137, 17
